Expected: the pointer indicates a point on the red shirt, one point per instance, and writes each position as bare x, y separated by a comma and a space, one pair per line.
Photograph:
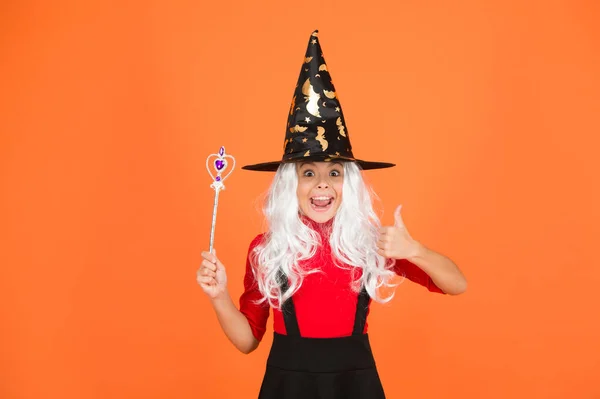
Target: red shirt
325, 303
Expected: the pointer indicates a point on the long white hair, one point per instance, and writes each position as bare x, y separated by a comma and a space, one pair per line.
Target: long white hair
289, 241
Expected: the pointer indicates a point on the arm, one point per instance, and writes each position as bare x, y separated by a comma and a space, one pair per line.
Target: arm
243, 327
234, 324
443, 271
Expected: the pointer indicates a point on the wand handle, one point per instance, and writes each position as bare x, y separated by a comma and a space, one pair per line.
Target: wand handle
214, 220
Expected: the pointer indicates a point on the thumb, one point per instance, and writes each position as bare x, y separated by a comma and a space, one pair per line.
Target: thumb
218, 262
398, 218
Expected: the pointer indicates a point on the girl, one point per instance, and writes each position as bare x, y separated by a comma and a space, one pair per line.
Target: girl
324, 258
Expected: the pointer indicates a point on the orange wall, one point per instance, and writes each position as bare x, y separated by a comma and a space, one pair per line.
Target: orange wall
491, 110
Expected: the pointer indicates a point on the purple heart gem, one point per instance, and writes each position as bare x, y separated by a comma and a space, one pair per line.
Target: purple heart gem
219, 164
222, 151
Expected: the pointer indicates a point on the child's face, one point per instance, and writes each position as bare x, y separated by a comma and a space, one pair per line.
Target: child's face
320, 189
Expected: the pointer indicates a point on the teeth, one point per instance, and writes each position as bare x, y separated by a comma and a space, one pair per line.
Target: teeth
321, 198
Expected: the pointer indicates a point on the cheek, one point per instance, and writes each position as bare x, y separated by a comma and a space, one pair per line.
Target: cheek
302, 191
338, 187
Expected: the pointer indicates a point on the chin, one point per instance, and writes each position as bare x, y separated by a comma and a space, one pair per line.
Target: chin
319, 218
318, 215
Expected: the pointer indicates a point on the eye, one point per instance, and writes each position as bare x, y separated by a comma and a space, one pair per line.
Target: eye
334, 173
308, 173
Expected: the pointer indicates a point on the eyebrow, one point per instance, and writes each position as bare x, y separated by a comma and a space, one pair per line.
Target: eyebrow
312, 163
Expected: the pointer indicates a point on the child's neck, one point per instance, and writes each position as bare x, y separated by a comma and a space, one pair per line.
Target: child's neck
314, 224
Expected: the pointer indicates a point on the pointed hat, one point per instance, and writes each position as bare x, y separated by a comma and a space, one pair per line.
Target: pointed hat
316, 128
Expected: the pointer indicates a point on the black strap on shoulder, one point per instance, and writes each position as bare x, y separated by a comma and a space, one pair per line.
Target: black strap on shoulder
288, 310
362, 306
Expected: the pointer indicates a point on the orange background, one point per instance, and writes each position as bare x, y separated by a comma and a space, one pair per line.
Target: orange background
107, 113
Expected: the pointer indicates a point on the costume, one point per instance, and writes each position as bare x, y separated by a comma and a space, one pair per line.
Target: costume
320, 347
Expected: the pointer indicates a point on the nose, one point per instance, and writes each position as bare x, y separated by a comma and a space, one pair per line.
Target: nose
323, 184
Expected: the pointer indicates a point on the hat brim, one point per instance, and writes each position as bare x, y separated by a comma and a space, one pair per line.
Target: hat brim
273, 166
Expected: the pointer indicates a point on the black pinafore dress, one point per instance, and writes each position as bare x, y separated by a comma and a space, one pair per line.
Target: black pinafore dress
323, 368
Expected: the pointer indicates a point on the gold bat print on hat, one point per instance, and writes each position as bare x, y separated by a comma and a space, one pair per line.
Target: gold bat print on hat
321, 137
340, 126
298, 128
329, 94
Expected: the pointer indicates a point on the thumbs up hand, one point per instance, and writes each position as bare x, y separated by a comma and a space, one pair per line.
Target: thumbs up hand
395, 242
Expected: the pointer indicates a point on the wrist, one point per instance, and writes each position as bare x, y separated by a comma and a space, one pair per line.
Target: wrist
221, 299
417, 251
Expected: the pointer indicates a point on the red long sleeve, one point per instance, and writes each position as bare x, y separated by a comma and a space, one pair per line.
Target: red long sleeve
414, 273
257, 314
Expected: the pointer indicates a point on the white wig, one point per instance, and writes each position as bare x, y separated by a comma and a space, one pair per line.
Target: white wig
288, 241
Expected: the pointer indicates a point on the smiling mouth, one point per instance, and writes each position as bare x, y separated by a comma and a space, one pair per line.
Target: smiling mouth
321, 203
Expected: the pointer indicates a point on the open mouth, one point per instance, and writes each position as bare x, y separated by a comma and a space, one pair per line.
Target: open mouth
321, 204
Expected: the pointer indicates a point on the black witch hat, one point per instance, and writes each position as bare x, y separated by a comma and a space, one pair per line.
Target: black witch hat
316, 129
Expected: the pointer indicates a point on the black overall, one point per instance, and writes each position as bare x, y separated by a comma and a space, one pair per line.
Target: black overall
323, 368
